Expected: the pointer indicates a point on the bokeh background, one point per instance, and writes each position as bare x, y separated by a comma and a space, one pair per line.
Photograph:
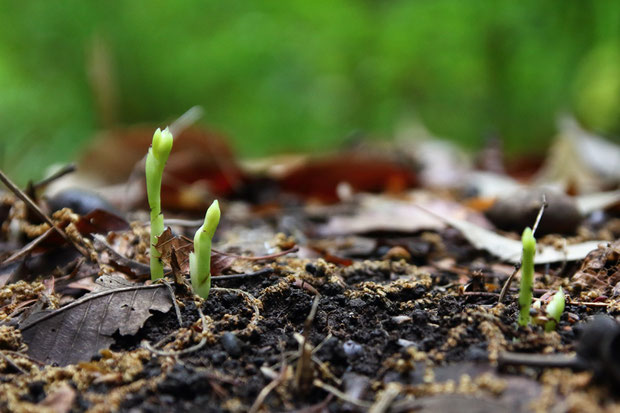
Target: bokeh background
302, 75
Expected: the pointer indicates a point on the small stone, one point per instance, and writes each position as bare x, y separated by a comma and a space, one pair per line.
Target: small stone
519, 210
397, 253
352, 349
231, 344
400, 319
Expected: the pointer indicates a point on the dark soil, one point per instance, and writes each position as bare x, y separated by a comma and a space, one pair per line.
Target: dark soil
389, 334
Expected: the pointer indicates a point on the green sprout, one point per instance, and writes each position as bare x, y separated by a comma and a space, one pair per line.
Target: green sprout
527, 276
155, 162
200, 259
555, 309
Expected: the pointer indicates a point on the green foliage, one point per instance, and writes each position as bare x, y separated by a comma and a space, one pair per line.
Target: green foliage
155, 163
527, 276
301, 75
555, 308
200, 259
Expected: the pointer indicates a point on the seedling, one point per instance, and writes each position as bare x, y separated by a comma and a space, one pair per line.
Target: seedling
527, 276
555, 309
155, 162
200, 259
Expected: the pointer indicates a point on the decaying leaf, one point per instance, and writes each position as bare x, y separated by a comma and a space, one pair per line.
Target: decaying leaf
319, 179
79, 330
510, 250
380, 214
169, 244
600, 271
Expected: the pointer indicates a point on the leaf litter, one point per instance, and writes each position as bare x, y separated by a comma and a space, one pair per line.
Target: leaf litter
78, 331
410, 312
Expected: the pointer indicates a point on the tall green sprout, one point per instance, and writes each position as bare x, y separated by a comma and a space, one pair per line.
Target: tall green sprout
527, 276
155, 162
200, 259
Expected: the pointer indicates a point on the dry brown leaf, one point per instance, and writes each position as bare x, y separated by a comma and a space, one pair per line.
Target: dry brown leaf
76, 332
600, 271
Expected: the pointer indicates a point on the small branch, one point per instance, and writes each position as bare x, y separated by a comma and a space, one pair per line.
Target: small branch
504, 291
26, 249
506, 286
342, 396
35, 208
539, 360
543, 206
12, 363
65, 170
174, 302
260, 399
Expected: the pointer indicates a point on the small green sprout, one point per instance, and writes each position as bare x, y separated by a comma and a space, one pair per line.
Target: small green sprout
555, 309
155, 162
200, 259
527, 276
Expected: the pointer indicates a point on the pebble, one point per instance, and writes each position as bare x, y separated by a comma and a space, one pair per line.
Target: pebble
231, 344
519, 210
352, 349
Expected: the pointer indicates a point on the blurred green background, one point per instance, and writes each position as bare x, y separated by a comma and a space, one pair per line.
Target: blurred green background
301, 75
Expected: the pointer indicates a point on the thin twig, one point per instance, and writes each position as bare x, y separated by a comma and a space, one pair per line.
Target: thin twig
543, 206
342, 396
539, 360
504, 291
174, 302
35, 208
382, 404
506, 286
26, 249
65, 170
260, 399
12, 363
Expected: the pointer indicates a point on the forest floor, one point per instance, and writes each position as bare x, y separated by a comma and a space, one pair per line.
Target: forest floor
379, 303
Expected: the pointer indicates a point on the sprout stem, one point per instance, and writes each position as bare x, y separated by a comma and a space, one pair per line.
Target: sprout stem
527, 276
155, 163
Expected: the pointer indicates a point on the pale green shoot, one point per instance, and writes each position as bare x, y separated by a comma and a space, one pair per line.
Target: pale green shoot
200, 259
555, 309
527, 276
155, 162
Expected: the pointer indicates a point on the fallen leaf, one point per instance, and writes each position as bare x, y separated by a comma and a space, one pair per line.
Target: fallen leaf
509, 250
380, 214
596, 202
79, 330
600, 271
319, 179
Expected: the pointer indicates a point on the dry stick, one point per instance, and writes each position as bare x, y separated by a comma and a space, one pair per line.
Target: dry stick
382, 404
65, 170
26, 249
342, 396
303, 372
539, 360
504, 291
21, 195
260, 399
174, 301
12, 363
